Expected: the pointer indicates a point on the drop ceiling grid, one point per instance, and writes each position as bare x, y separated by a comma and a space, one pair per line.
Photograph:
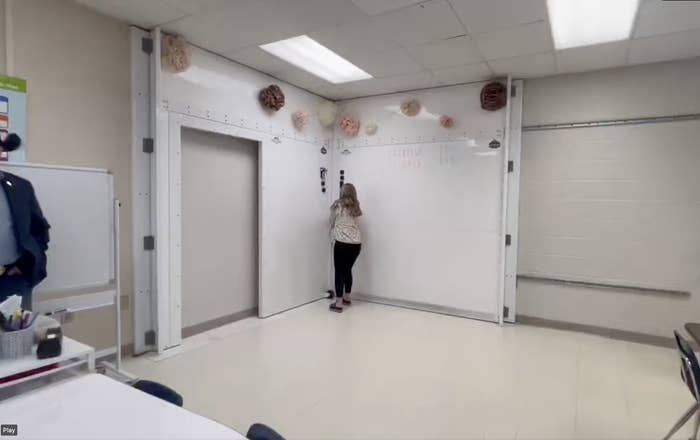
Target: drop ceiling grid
414, 39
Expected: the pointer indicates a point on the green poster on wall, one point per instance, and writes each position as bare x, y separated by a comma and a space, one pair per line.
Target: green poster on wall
13, 114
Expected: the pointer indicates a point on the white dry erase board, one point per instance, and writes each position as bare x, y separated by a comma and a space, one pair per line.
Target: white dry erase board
78, 204
431, 223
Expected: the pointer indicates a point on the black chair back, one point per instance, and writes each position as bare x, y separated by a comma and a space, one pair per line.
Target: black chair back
259, 431
160, 391
690, 368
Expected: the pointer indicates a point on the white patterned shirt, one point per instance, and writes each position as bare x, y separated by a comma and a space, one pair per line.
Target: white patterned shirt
344, 227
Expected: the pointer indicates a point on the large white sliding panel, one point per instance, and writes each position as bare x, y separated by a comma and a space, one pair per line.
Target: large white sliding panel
294, 219
432, 224
432, 199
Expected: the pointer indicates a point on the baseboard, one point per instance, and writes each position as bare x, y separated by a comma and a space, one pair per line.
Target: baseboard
622, 335
414, 305
218, 322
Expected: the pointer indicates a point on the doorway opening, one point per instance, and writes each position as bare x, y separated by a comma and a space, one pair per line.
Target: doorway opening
219, 230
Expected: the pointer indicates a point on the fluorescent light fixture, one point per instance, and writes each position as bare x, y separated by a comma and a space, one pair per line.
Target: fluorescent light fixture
578, 23
308, 54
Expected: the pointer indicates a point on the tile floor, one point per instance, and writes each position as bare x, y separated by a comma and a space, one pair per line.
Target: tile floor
378, 372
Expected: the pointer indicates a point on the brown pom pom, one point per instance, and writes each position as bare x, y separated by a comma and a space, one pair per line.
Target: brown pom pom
175, 54
493, 96
271, 97
410, 108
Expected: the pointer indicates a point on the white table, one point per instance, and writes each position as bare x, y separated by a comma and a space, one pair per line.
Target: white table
73, 354
94, 406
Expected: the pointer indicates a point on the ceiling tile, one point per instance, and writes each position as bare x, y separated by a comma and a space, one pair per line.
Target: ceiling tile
225, 26
385, 63
191, 6
601, 56
528, 66
374, 7
421, 23
463, 74
376, 86
418, 80
665, 47
331, 93
351, 38
146, 14
521, 40
300, 78
258, 59
663, 17
453, 52
489, 15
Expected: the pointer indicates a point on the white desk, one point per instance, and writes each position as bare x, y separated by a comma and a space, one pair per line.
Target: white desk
97, 407
73, 354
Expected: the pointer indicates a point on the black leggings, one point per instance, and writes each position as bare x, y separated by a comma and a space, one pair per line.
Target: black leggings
344, 256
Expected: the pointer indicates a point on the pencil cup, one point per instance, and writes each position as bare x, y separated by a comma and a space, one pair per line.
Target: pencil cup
16, 344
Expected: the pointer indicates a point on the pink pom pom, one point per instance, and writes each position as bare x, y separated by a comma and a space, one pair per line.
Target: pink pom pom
446, 121
350, 125
300, 119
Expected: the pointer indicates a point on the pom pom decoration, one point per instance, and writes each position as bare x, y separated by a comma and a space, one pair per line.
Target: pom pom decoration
300, 118
9, 142
175, 54
271, 97
493, 96
410, 108
446, 121
327, 113
350, 125
371, 129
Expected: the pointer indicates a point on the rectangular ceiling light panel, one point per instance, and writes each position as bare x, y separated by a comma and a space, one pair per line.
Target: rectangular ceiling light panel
578, 23
308, 54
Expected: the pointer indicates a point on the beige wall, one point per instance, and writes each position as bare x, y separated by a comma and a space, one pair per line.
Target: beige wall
627, 194
79, 113
219, 226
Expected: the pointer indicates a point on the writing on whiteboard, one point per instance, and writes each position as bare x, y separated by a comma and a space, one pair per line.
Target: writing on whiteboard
447, 155
408, 157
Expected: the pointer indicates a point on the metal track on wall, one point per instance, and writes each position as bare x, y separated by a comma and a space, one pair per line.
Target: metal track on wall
603, 285
613, 122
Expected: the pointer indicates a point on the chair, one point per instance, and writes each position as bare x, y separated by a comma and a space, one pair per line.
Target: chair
690, 372
159, 390
258, 431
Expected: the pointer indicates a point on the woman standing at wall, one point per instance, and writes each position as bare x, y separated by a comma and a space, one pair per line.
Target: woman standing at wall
347, 243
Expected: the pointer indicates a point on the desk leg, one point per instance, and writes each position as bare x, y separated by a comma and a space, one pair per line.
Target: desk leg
682, 421
91, 362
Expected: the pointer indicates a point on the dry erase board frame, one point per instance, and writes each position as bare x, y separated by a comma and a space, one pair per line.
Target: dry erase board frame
78, 203
415, 137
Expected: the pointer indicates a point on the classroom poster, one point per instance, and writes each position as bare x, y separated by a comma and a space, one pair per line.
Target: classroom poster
13, 114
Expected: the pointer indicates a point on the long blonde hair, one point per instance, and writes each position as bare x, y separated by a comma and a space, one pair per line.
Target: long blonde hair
348, 200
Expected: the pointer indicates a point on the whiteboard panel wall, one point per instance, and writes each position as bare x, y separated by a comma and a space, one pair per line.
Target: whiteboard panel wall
220, 96
462, 103
294, 225
78, 204
613, 205
217, 89
431, 224
432, 200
